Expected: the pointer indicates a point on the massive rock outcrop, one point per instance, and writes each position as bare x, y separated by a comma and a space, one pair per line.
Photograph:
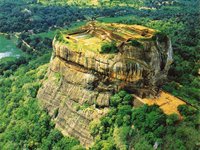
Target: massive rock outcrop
81, 77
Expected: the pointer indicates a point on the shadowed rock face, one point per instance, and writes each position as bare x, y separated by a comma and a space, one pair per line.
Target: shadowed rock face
80, 80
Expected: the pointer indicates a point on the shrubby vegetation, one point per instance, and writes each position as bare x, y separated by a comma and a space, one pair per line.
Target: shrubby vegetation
125, 127
60, 37
160, 36
109, 48
136, 43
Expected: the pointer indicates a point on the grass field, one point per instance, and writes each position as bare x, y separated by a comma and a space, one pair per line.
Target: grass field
8, 48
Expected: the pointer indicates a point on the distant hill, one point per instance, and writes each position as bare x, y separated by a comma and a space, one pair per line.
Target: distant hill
112, 3
132, 3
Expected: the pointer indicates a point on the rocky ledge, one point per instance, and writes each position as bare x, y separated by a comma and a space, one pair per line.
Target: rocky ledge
91, 63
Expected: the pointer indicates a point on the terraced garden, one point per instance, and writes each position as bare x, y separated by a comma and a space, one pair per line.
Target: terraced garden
94, 35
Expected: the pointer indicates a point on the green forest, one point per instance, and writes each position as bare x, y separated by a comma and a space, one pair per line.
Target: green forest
30, 26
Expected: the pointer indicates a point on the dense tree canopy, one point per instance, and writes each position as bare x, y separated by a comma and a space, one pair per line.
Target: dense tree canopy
24, 125
144, 127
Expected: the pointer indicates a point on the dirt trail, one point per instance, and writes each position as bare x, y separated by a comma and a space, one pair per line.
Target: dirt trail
25, 43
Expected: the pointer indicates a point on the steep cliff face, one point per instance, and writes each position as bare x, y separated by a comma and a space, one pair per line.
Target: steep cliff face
81, 79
